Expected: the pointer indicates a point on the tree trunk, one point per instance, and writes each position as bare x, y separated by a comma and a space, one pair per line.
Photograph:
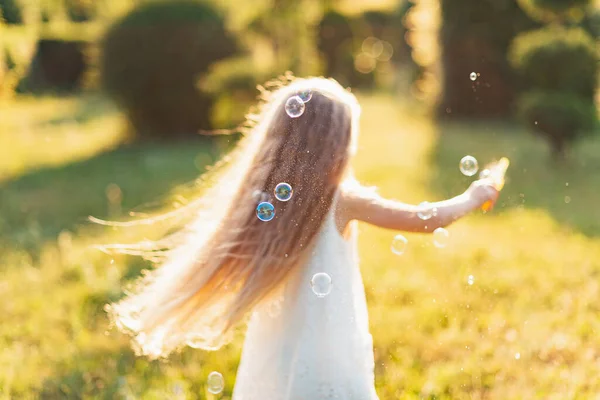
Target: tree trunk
560, 150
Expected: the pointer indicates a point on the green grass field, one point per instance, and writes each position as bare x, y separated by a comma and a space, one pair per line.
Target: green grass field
525, 329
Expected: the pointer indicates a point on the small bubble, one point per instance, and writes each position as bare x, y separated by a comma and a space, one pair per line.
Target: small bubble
426, 211
305, 95
112, 261
399, 244
215, 382
567, 199
265, 211
468, 165
471, 279
517, 356
473, 76
294, 106
440, 238
485, 174
283, 191
321, 284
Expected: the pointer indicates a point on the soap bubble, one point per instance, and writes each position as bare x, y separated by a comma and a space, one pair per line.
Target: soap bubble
294, 106
283, 191
469, 165
215, 382
426, 211
471, 280
321, 284
473, 76
485, 174
399, 244
265, 211
440, 238
305, 95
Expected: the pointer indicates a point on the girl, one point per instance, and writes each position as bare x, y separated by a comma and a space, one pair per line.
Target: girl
299, 345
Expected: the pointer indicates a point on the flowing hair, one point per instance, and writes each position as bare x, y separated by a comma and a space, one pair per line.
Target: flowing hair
227, 260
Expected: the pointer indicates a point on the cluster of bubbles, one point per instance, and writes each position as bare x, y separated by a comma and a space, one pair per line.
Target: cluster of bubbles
215, 382
265, 211
372, 51
321, 284
295, 105
468, 165
471, 280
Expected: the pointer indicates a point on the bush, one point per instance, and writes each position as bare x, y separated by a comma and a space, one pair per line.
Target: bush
151, 62
58, 65
80, 10
557, 59
335, 42
11, 11
561, 118
475, 36
549, 10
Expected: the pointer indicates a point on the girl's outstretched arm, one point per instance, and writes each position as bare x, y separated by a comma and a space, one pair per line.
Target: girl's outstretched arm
366, 205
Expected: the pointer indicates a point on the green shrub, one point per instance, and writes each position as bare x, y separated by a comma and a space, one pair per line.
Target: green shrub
561, 118
557, 59
11, 11
335, 42
551, 10
80, 10
591, 23
151, 62
475, 36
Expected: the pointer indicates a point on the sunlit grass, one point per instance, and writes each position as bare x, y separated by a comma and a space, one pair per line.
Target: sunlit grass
525, 329
46, 132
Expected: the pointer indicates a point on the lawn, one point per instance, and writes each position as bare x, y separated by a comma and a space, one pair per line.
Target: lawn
525, 328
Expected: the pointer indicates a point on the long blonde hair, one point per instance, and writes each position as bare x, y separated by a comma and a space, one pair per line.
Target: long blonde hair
230, 260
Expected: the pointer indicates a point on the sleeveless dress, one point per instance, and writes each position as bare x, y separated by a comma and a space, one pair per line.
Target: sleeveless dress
310, 347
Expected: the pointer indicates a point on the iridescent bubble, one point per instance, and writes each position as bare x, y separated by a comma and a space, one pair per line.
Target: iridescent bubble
399, 245
426, 211
485, 174
294, 106
473, 76
321, 284
440, 238
471, 280
283, 191
215, 382
469, 165
305, 95
265, 211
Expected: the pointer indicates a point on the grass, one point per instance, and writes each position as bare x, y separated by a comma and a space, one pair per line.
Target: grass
525, 329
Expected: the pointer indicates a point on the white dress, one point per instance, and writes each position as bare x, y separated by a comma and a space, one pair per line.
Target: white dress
313, 348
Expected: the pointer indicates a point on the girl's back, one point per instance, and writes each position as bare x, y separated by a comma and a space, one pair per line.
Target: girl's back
228, 263
310, 347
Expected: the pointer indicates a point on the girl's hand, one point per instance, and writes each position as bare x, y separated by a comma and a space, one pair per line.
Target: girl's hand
482, 191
